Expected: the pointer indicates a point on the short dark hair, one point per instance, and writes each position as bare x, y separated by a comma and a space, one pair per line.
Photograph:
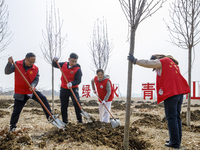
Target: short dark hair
28, 55
99, 70
159, 56
73, 55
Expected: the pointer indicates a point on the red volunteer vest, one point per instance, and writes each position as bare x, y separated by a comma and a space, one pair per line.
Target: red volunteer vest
101, 88
21, 86
171, 82
70, 75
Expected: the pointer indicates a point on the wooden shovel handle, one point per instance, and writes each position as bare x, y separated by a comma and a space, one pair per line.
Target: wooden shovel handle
68, 82
106, 107
31, 88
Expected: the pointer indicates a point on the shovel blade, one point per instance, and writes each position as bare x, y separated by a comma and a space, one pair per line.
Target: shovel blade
86, 116
115, 122
57, 122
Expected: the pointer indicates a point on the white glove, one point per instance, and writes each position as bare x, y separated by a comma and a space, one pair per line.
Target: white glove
69, 85
55, 59
103, 102
30, 95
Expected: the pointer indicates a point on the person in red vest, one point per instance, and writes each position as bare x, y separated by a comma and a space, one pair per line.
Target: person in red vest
73, 73
105, 91
22, 90
170, 86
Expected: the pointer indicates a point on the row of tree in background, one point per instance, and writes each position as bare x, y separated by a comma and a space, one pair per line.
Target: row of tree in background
183, 29
54, 42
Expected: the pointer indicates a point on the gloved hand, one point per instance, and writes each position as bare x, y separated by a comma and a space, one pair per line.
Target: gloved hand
55, 59
103, 102
32, 89
94, 91
132, 58
69, 85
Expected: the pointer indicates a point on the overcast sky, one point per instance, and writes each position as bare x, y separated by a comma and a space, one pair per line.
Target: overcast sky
28, 18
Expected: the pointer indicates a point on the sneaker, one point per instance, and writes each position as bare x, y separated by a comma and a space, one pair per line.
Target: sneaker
172, 146
167, 141
12, 129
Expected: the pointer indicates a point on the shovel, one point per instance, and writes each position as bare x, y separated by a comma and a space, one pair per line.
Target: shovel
83, 113
115, 122
53, 118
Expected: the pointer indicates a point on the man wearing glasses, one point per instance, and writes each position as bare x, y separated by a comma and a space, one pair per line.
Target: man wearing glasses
22, 90
73, 73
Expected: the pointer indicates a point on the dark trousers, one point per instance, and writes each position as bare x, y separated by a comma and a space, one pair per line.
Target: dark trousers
64, 99
19, 104
172, 113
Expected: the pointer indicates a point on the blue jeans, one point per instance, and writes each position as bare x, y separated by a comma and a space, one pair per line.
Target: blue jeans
172, 112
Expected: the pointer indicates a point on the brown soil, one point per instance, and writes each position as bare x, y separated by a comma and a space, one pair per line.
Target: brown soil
148, 128
155, 121
6, 103
119, 106
3, 113
92, 111
96, 133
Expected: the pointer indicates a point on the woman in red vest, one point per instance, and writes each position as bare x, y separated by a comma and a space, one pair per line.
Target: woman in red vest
22, 90
170, 86
104, 91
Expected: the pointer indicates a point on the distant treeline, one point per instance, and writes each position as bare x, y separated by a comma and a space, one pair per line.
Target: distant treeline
45, 92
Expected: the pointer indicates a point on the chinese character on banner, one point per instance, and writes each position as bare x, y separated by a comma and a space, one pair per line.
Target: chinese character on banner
115, 87
148, 89
86, 91
194, 90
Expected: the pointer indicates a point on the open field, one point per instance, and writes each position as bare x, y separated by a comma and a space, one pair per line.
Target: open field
148, 127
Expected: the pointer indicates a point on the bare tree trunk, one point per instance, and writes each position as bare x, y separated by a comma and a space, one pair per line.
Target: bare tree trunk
189, 82
129, 92
53, 40
52, 69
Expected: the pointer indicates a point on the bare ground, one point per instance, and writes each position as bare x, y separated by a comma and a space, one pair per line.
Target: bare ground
148, 127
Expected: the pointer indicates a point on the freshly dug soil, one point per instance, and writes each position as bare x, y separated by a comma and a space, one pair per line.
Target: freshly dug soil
97, 133
3, 113
6, 103
155, 121
92, 111
119, 106
13, 140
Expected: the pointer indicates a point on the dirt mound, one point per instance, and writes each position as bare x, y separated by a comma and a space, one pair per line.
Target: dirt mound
13, 140
155, 121
195, 105
142, 106
92, 111
34, 111
195, 116
116, 105
6, 103
97, 133
91, 103
3, 113
31, 103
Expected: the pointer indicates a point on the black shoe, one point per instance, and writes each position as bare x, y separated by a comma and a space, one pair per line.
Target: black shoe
12, 129
167, 141
79, 121
170, 145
